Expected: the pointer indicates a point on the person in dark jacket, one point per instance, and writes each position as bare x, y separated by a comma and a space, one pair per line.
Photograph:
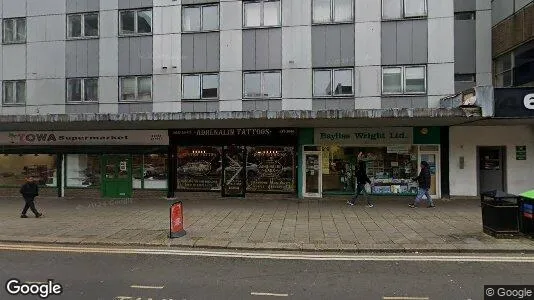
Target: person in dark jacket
361, 180
29, 191
424, 180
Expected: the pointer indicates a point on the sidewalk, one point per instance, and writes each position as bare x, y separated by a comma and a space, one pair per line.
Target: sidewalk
258, 222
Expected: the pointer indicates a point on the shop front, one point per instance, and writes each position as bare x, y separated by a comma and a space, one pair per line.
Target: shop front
392, 157
113, 163
234, 161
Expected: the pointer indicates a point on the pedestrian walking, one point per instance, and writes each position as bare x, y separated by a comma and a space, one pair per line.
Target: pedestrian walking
423, 179
361, 180
29, 191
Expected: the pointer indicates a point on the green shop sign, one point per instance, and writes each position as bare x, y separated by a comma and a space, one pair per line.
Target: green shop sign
364, 136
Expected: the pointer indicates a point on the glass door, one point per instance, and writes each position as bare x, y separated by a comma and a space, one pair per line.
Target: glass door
432, 158
117, 179
313, 185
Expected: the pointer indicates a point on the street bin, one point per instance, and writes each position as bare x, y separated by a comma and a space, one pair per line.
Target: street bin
500, 214
526, 218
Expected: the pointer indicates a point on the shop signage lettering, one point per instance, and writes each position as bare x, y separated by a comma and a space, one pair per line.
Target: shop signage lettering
529, 101
131, 137
514, 102
233, 132
401, 135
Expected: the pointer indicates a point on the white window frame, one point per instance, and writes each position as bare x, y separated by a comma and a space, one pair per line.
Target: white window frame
136, 22
403, 12
15, 26
332, 87
82, 90
15, 96
82, 21
332, 14
136, 89
200, 78
201, 18
511, 70
403, 80
262, 83
262, 14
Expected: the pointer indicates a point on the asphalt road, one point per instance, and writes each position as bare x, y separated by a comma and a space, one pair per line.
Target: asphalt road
142, 277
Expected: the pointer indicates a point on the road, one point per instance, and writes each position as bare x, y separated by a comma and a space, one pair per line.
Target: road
138, 276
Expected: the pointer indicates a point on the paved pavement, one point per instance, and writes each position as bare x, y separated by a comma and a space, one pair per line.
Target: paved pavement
166, 277
258, 222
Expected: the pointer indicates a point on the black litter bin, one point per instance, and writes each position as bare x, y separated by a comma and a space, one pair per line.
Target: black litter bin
526, 208
500, 214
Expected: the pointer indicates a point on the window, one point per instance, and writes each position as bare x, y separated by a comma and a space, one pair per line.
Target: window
82, 90
200, 86
136, 88
504, 66
14, 92
332, 11
332, 82
135, 22
467, 15
82, 25
261, 13
266, 84
399, 9
14, 30
404, 80
465, 77
200, 18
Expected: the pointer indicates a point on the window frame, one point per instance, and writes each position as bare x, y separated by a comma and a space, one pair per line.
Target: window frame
200, 85
15, 27
332, 77
136, 22
82, 90
82, 25
460, 16
472, 76
202, 6
262, 84
262, 14
511, 70
136, 100
332, 14
403, 80
14, 90
403, 12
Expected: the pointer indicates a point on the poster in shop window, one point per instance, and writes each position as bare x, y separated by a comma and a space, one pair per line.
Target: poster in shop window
199, 169
270, 169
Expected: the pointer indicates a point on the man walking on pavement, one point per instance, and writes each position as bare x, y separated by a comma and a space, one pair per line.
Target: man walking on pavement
423, 179
361, 180
29, 191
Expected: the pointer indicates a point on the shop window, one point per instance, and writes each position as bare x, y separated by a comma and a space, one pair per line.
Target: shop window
135, 22
14, 31
333, 82
404, 80
390, 169
262, 84
200, 18
137, 171
263, 13
200, 86
83, 170
82, 25
199, 169
14, 168
270, 169
399, 9
136, 88
332, 11
155, 171
14, 92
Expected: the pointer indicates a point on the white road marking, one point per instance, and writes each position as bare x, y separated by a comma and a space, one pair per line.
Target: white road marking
146, 287
274, 256
405, 298
268, 294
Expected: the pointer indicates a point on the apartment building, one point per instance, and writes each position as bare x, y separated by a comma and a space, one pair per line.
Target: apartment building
207, 65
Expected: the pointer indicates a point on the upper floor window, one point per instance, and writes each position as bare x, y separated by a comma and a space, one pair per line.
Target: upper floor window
504, 66
82, 25
134, 22
465, 15
333, 11
82, 90
264, 13
267, 84
332, 82
200, 18
404, 80
399, 9
14, 30
136, 88
14, 92
200, 86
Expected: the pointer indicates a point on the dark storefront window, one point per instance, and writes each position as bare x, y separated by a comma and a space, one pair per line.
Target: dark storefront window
199, 168
270, 169
14, 168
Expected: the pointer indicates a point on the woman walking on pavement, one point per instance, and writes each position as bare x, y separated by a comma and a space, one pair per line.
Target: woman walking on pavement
423, 179
361, 180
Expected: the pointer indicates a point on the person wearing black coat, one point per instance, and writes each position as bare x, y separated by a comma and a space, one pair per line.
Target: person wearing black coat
424, 181
361, 180
29, 191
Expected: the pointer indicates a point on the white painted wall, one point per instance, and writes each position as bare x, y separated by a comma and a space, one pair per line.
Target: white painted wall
464, 142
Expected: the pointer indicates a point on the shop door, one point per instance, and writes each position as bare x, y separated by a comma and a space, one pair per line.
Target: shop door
313, 179
491, 169
432, 158
234, 171
117, 179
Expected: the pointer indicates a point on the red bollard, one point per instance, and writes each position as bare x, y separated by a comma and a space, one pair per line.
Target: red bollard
177, 220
